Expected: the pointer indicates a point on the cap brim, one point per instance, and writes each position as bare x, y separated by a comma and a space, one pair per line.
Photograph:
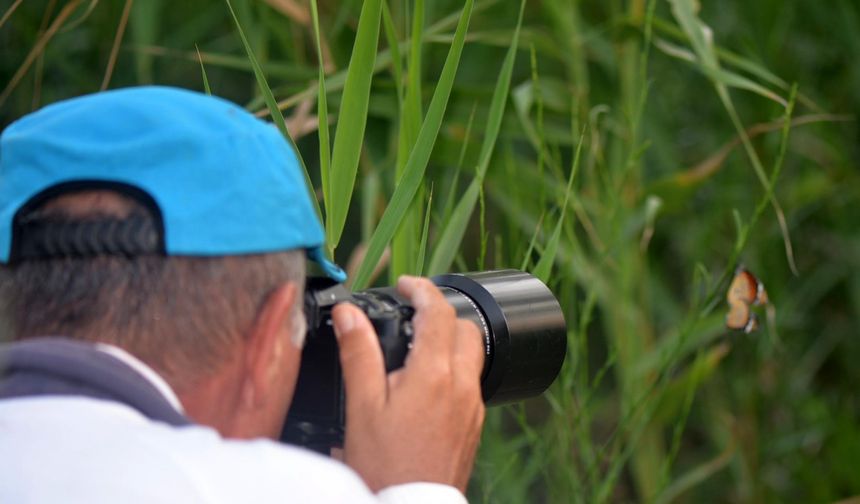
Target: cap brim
331, 269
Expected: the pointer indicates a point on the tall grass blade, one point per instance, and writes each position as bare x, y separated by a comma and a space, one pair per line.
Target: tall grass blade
336, 81
38, 48
203, 72
417, 162
745, 229
482, 228
114, 51
697, 475
404, 249
701, 38
272, 104
729, 58
9, 12
528, 254
719, 74
282, 69
452, 235
322, 115
425, 231
71, 25
543, 268
145, 24
352, 119
412, 105
394, 47
448, 207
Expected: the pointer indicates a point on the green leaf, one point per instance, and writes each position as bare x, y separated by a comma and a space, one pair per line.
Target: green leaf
352, 119
370, 191
448, 207
287, 70
404, 252
417, 162
449, 241
322, 116
701, 38
394, 47
452, 235
544, 266
412, 105
203, 72
336, 81
272, 104
527, 256
145, 23
726, 77
698, 474
419, 264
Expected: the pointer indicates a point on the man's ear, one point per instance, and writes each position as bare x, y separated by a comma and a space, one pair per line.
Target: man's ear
269, 348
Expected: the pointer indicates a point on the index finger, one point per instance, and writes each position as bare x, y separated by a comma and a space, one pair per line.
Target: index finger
360, 358
433, 322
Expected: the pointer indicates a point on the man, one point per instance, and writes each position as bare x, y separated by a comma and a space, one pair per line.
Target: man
152, 243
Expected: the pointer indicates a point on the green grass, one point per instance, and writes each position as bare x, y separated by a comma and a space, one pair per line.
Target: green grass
630, 152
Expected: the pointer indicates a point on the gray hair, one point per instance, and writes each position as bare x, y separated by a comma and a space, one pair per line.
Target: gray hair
180, 315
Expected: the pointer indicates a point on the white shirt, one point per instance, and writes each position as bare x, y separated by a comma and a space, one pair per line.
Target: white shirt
77, 449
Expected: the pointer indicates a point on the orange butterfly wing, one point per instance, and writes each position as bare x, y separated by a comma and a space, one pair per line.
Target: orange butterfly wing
738, 317
745, 290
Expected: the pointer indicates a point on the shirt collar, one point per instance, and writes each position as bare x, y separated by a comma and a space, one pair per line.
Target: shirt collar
144, 370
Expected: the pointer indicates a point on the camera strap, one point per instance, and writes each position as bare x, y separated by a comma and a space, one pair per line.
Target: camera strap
58, 366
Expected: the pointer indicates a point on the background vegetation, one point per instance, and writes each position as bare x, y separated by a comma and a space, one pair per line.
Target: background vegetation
632, 153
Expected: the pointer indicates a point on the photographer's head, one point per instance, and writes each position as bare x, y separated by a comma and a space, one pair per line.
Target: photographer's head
170, 224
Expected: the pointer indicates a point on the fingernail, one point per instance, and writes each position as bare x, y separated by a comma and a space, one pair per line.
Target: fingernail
344, 321
405, 279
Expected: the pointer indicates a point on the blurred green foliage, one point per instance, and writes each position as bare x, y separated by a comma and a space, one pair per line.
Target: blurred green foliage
657, 402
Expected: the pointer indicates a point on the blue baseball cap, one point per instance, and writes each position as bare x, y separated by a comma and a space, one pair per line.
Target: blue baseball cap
223, 181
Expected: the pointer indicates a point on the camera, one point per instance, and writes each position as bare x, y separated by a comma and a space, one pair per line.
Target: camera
524, 332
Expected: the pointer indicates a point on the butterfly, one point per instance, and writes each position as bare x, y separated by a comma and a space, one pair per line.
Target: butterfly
745, 291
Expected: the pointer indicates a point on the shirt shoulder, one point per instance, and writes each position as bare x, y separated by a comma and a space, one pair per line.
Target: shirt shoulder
263, 470
68, 449
307, 476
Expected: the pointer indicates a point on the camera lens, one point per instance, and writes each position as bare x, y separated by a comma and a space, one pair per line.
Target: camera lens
525, 335
525, 341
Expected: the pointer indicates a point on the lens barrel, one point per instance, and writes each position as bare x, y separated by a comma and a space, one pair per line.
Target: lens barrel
525, 335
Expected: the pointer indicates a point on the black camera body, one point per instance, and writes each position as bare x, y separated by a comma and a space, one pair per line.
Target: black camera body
524, 332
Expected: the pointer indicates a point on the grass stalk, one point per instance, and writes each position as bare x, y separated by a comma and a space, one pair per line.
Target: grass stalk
418, 158
352, 120
277, 116
451, 236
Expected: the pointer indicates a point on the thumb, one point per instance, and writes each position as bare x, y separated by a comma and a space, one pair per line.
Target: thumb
360, 358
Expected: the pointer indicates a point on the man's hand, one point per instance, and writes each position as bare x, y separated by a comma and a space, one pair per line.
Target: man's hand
423, 421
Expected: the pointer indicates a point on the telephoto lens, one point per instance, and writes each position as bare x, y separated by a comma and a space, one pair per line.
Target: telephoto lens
525, 336
523, 328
